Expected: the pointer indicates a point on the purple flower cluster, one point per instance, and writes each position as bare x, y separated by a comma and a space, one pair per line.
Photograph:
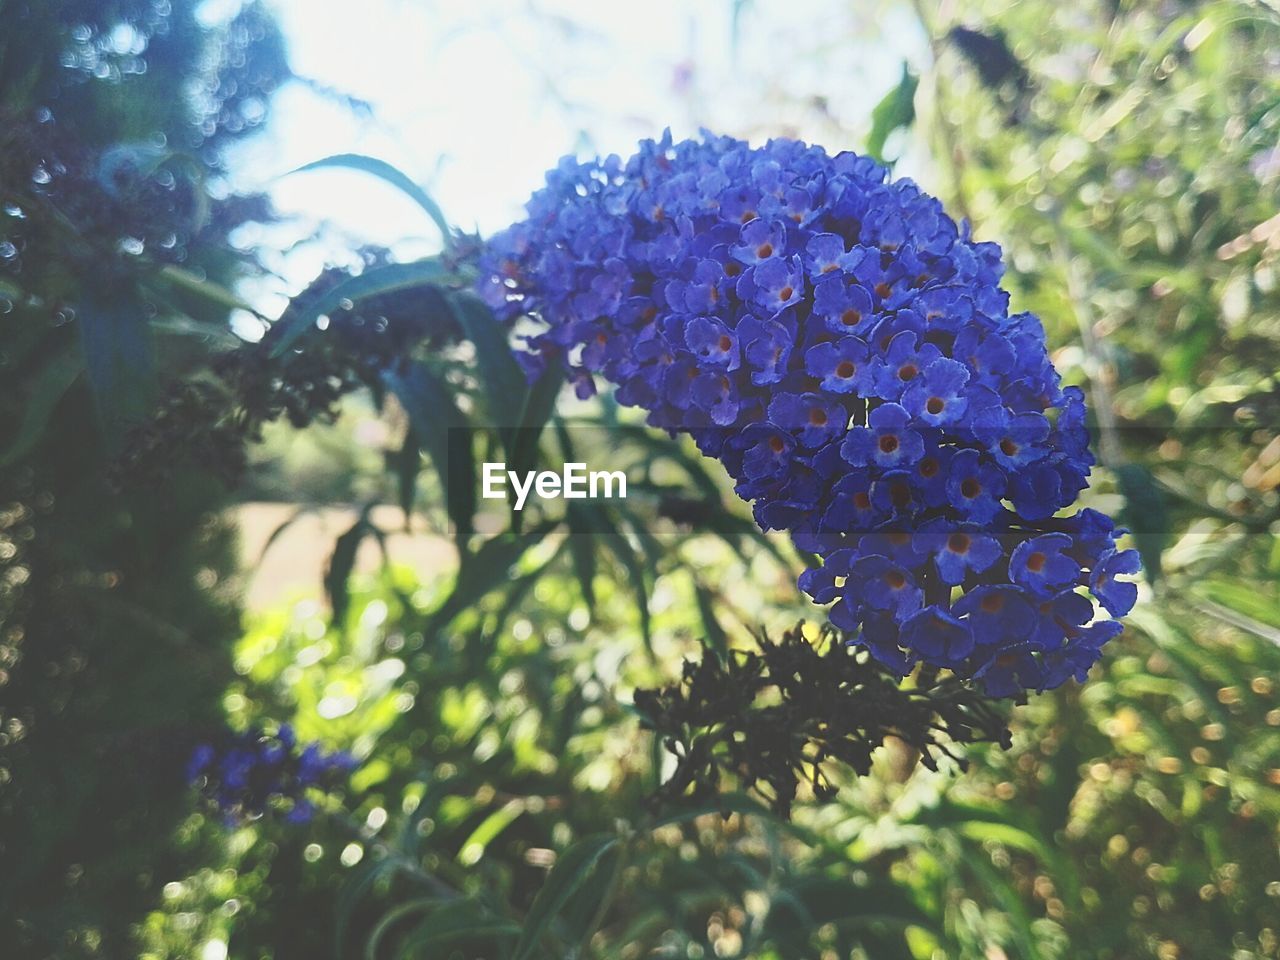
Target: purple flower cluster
253, 773
846, 351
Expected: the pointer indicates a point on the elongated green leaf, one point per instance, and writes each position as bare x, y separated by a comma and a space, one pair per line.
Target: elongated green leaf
1244, 600
443, 432
739, 803
120, 360
895, 112
490, 829
811, 901
341, 563
997, 885
467, 921
309, 306
1146, 514
389, 174
505, 385
621, 548
394, 916
572, 870
55, 380
281, 529
205, 289
540, 404
717, 640
582, 550
486, 569
519, 589
407, 462
522, 448
353, 891
662, 446
733, 529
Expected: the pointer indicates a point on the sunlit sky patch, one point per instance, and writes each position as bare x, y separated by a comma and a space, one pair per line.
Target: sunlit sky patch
477, 100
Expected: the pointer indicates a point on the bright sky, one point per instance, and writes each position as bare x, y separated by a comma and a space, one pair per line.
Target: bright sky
477, 99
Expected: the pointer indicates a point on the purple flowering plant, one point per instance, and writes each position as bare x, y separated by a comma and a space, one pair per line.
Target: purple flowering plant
251, 774
846, 351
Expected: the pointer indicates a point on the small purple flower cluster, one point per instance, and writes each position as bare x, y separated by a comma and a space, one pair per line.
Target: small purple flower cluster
846, 351
253, 773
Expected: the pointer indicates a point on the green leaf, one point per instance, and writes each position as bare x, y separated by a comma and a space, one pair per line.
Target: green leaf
490, 828
621, 548
1254, 603
660, 445
813, 901
504, 382
205, 289
717, 640
896, 111
572, 870
582, 550
522, 450
739, 803
482, 571
353, 891
443, 432
54, 382
301, 314
406, 463
466, 921
389, 174
1001, 889
119, 358
394, 916
282, 528
341, 562
1145, 514
733, 529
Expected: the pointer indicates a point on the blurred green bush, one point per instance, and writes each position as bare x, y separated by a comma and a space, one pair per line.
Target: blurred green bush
117, 607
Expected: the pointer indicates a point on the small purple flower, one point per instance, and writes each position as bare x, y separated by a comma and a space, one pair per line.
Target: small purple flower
903, 362
937, 636
778, 284
844, 308
958, 551
880, 636
770, 452
712, 342
761, 241
851, 509
813, 418
820, 582
896, 495
882, 584
936, 397
768, 348
1042, 565
715, 394
974, 487
841, 366
1013, 439
1009, 671
997, 614
251, 774
887, 441
1116, 596
824, 254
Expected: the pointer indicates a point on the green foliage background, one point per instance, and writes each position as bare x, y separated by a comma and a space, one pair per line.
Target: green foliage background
1126, 157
